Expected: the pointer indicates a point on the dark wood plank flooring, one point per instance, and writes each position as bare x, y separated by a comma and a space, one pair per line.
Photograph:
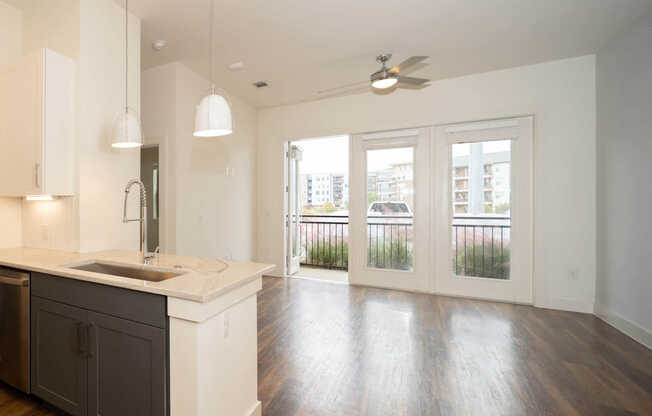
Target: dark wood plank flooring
327, 349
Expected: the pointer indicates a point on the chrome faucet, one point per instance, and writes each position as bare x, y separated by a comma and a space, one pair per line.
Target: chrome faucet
147, 257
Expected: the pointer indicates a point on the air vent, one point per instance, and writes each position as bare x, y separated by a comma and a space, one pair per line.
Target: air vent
260, 84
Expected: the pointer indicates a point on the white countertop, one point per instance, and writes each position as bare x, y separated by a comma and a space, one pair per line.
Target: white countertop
204, 280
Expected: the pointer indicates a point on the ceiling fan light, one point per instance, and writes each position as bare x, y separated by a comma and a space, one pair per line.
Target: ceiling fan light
384, 83
213, 117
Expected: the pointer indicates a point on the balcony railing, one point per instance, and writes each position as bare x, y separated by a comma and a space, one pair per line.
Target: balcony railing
480, 245
325, 241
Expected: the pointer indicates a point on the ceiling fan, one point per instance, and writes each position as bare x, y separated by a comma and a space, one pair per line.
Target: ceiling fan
386, 77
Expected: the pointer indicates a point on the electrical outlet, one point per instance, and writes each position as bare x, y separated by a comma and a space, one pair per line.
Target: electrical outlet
573, 274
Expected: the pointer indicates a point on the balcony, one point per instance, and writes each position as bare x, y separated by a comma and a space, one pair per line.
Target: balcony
480, 245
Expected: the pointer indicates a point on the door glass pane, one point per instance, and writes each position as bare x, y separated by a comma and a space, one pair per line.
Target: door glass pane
390, 208
481, 198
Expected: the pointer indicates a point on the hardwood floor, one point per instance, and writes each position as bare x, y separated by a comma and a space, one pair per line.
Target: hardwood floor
328, 349
15, 403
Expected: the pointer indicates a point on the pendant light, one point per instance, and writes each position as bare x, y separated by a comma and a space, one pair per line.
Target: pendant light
127, 132
213, 115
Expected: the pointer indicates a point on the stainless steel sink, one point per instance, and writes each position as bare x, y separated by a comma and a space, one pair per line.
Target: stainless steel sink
131, 272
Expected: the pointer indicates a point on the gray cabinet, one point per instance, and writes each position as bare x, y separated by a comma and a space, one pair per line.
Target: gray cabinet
126, 368
106, 355
59, 365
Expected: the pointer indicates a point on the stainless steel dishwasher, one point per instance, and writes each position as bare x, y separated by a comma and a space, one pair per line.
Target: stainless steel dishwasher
14, 328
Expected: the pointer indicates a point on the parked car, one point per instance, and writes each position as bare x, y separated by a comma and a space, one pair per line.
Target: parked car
389, 208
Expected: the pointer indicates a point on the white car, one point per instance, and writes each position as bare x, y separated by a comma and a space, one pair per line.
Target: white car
389, 209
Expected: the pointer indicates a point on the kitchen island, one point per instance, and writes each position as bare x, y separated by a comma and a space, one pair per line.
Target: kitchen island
210, 322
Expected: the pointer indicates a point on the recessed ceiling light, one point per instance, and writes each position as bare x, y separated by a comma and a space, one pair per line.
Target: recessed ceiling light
236, 66
159, 44
260, 84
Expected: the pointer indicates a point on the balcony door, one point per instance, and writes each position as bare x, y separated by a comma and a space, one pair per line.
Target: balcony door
389, 210
293, 218
482, 209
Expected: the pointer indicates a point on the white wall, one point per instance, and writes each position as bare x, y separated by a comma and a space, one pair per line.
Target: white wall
624, 171
209, 214
10, 48
104, 171
561, 96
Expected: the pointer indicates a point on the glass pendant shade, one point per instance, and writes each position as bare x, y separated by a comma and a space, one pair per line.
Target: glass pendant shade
127, 132
213, 117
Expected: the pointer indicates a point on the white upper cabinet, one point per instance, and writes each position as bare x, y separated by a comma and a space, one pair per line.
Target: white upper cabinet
37, 125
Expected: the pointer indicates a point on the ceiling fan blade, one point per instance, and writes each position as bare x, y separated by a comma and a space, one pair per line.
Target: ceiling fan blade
412, 81
341, 88
411, 61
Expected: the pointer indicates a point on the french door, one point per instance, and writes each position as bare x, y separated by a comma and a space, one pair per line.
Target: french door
482, 209
444, 209
293, 220
389, 217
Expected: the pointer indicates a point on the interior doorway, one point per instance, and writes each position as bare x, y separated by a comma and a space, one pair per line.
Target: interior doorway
149, 175
317, 208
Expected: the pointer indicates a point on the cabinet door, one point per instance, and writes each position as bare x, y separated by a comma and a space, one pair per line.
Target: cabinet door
126, 373
21, 170
59, 364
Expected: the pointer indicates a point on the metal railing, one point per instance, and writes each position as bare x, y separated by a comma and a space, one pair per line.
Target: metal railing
390, 242
324, 241
480, 244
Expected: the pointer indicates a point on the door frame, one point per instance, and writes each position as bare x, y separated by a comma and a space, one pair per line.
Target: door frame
520, 287
359, 273
293, 155
166, 232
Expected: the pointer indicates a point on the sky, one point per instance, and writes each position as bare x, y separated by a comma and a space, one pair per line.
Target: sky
324, 155
331, 154
487, 147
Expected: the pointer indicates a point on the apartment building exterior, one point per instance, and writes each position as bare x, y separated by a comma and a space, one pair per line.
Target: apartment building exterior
481, 182
318, 189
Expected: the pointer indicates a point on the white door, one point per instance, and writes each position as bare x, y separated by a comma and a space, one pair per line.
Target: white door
293, 218
389, 210
482, 209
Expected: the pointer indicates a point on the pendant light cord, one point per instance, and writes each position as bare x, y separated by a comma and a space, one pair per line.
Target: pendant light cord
210, 45
126, 56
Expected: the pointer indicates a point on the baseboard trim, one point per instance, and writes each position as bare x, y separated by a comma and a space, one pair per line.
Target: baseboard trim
257, 410
627, 327
568, 305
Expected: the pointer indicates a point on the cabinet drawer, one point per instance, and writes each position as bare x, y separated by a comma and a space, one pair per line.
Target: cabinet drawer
128, 304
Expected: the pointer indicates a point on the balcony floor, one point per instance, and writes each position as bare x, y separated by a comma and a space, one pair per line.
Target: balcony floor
318, 273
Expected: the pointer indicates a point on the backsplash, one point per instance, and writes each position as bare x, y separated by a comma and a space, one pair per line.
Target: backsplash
50, 224
10, 222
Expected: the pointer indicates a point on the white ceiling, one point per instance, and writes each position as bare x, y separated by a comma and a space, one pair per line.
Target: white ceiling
303, 46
